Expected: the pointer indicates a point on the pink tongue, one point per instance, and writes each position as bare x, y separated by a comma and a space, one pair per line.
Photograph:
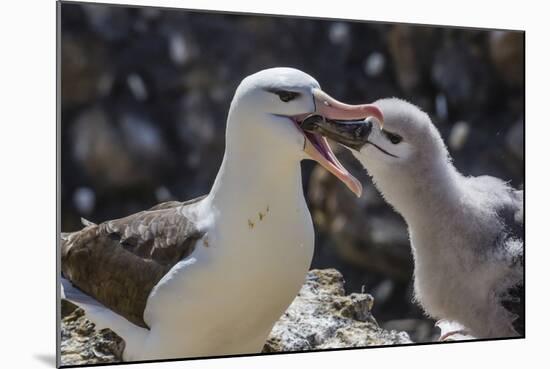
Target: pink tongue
317, 147
316, 141
324, 148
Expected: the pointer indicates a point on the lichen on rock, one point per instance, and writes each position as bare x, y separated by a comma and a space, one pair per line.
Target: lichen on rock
82, 344
323, 317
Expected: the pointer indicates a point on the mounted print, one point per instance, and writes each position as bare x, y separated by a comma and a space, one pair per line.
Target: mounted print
247, 184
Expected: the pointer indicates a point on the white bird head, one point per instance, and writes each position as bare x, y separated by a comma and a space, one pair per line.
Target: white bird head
407, 139
400, 154
268, 109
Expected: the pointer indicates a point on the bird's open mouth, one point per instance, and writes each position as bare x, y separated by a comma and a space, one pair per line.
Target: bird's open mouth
316, 145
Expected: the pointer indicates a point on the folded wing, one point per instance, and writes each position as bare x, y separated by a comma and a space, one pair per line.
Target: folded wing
118, 262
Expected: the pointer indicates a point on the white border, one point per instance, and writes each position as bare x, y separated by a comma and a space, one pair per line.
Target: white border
27, 203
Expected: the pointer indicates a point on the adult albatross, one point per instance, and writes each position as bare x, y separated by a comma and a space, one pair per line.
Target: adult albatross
212, 275
466, 232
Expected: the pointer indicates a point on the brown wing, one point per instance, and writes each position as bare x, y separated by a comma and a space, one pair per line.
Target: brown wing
171, 204
118, 262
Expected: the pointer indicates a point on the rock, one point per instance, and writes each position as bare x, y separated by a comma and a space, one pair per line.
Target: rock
459, 73
514, 140
67, 307
507, 52
339, 32
375, 64
441, 107
82, 344
420, 330
179, 49
323, 317
459, 135
112, 23
84, 200
411, 52
137, 87
400, 43
118, 150
84, 70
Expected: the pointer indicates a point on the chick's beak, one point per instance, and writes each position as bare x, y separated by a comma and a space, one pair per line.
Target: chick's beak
316, 146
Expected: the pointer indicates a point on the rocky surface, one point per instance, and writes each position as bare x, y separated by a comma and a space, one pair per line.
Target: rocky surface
82, 344
321, 317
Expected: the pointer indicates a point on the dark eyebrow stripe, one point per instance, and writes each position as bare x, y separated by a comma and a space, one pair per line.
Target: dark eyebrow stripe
388, 134
278, 91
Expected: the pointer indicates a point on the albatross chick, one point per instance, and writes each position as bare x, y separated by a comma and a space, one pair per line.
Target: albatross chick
466, 233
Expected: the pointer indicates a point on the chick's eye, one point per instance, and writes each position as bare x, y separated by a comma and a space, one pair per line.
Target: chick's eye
287, 96
394, 138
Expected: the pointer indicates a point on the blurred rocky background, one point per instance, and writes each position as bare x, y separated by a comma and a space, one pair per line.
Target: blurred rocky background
145, 93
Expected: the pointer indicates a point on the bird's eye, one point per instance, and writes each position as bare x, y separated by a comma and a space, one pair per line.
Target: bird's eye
284, 95
287, 96
394, 138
